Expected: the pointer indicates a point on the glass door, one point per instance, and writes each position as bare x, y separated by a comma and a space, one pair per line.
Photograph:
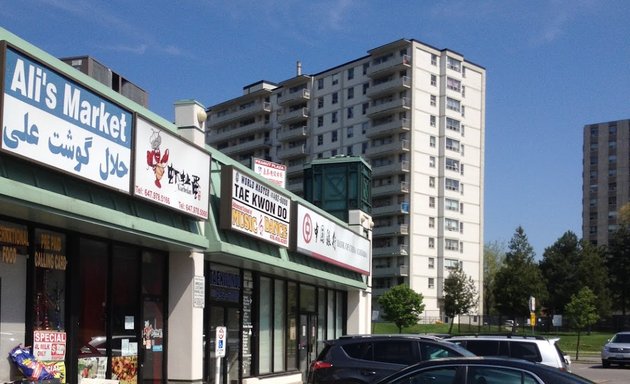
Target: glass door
307, 341
229, 317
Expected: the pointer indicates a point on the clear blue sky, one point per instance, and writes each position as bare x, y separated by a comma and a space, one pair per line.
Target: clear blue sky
552, 67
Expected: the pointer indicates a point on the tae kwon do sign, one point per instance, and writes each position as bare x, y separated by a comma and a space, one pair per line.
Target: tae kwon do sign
253, 208
324, 239
54, 121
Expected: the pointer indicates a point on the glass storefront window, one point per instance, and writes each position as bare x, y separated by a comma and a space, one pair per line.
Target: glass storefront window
279, 326
264, 338
292, 318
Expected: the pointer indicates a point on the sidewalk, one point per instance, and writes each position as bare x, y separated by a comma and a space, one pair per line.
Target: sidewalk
585, 357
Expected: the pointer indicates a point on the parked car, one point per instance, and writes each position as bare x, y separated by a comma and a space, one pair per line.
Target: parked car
617, 350
482, 370
362, 359
536, 349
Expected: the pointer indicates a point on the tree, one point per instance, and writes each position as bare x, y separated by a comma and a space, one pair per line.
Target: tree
519, 278
593, 273
559, 266
493, 257
460, 294
618, 263
402, 306
581, 312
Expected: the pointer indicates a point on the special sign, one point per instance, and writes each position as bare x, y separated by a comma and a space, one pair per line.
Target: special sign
254, 208
49, 345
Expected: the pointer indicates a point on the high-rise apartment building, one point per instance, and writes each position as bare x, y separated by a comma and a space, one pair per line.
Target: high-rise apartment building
606, 180
417, 115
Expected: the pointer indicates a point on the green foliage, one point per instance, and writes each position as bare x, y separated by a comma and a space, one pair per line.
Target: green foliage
593, 273
618, 262
460, 294
519, 278
493, 258
559, 267
581, 312
402, 306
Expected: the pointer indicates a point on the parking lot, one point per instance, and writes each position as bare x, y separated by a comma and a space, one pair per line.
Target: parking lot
593, 370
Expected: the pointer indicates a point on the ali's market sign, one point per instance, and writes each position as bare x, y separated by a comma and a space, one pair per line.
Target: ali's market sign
252, 208
52, 120
171, 172
324, 239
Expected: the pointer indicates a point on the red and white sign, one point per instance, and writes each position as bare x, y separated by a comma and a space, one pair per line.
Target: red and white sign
274, 173
49, 345
220, 342
324, 239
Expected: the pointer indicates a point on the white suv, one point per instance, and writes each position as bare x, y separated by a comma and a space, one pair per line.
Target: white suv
533, 348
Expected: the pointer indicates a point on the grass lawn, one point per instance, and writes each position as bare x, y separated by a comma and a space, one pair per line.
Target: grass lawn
589, 343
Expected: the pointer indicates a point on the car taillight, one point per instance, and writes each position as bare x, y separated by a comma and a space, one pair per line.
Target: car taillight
315, 365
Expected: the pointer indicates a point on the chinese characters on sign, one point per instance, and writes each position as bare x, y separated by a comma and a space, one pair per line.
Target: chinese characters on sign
275, 173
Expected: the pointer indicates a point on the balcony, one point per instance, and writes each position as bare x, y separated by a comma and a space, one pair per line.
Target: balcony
391, 168
391, 86
402, 270
395, 147
391, 209
393, 250
300, 96
388, 128
227, 133
379, 108
289, 117
390, 189
234, 115
393, 229
392, 64
247, 146
289, 134
293, 152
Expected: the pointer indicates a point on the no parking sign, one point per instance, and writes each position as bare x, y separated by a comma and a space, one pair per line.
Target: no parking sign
220, 341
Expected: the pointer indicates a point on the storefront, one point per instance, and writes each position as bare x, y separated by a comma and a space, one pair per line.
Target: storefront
160, 259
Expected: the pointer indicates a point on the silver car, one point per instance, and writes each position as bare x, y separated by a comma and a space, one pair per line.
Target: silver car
617, 350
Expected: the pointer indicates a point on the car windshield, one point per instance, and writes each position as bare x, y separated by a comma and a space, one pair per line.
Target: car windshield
621, 338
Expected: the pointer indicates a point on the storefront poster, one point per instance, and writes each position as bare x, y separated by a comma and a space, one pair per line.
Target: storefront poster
171, 172
54, 121
49, 345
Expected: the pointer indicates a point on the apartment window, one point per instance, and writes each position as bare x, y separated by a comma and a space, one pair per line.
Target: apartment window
461, 207
431, 283
452, 164
365, 87
431, 222
365, 67
364, 147
453, 104
431, 242
333, 117
463, 110
431, 262
453, 84
350, 93
432, 161
433, 100
432, 141
333, 137
333, 153
320, 83
335, 79
461, 227
335, 98
364, 126
451, 204
452, 124
433, 59
451, 144
431, 202
350, 112
320, 102
364, 108
453, 64
451, 225
433, 80
451, 244
451, 184
431, 182
432, 121
349, 132
320, 121
350, 73
349, 150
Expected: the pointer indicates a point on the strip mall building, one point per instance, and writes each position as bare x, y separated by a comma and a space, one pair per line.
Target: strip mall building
130, 251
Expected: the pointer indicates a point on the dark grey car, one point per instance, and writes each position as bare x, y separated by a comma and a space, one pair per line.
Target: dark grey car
362, 359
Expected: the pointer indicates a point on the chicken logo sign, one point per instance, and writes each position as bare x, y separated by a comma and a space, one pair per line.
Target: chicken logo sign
155, 159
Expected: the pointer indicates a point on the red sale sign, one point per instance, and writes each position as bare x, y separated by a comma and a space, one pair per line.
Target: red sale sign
49, 345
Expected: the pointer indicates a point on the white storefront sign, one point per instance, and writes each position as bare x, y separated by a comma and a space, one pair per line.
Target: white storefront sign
275, 173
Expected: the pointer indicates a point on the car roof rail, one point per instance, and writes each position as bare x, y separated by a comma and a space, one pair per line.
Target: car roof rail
509, 335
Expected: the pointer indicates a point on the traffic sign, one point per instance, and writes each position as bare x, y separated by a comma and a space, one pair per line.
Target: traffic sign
220, 341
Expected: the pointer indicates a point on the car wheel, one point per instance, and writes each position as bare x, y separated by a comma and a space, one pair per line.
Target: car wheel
605, 364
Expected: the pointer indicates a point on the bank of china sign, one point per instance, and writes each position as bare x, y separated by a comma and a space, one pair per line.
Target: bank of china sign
324, 239
253, 208
54, 121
